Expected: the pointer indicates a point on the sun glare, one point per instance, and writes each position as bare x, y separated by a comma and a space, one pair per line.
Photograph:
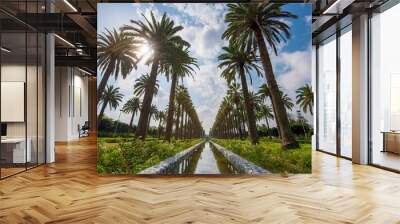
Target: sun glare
145, 51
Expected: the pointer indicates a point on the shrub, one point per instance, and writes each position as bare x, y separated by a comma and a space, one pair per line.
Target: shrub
131, 155
270, 155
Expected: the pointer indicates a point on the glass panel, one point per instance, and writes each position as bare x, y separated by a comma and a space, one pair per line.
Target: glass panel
346, 94
327, 96
41, 99
31, 99
13, 87
385, 84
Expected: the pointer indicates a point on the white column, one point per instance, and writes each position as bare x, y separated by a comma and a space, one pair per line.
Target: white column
360, 90
50, 100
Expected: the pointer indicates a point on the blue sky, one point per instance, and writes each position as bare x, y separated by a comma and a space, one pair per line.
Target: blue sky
203, 25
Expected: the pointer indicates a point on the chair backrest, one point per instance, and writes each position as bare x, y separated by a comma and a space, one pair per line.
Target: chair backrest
86, 125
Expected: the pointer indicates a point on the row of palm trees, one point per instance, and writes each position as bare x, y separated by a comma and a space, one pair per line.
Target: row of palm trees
187, 122
170, 56
251, 29
185, 118
232, 121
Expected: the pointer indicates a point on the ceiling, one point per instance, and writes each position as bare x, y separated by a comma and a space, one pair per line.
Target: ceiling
75, 22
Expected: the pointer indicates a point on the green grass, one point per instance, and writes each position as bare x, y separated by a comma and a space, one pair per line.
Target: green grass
129, 156
270, 155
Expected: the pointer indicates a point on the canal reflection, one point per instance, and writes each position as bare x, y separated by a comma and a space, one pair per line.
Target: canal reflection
205, 160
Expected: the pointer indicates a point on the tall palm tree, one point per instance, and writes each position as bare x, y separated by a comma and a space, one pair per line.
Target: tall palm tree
287, 101
305, 98
237, 60
251, 25
178, 65
256, 100
234, 93
132, 106
153, 112
162, 37
111, 97
142, 83
160, 117
266, 113
263, 92
117, 53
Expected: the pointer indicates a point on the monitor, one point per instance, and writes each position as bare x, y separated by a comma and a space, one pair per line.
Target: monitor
3, 129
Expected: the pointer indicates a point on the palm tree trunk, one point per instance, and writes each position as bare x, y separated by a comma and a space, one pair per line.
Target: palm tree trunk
103, 82
239, 121
148, 122
268, 132
170, 116
249, 108
288, 140
177, 121
131, 122
159, 129
239, 127
181, 125
186, 132
103, 108
141, 130
244, 123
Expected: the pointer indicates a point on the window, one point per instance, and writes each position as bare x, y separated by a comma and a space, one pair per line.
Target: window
385, 89
327, 95
346, 93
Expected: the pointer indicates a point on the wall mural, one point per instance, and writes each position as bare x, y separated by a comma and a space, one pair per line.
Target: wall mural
204, 88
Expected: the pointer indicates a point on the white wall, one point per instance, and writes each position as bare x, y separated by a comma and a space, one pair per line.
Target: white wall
71, 103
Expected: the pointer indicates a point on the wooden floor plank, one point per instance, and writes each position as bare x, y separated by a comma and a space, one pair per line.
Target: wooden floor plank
70, 191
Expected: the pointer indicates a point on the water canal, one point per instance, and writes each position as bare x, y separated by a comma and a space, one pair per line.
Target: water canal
205, 160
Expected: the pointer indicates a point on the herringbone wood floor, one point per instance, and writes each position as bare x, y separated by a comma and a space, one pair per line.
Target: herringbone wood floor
70, 191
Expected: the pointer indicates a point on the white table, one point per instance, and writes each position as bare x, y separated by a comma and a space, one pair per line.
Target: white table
19, 153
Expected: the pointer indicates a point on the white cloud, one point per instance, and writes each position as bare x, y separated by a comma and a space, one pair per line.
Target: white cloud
203, 27
205, 14
296, 72
208, 90
296, 68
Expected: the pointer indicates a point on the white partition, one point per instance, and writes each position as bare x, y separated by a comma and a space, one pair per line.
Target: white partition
12, 101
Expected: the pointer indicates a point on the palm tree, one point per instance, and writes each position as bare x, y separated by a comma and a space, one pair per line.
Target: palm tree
153, 112
132, 106
263, 92
234, 94
181, 94
251, 25
287, 101
256, 100
116, 53
111, 97
178, 65
305, 98
162, 37
142, 83
160, 117
237, 60
266, 113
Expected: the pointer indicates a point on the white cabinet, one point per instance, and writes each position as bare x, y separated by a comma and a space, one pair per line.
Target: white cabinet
19, 155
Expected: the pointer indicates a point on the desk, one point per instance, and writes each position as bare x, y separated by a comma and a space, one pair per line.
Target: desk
13, 150
391, 142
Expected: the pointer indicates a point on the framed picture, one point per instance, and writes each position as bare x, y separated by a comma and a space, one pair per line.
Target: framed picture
204, 88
